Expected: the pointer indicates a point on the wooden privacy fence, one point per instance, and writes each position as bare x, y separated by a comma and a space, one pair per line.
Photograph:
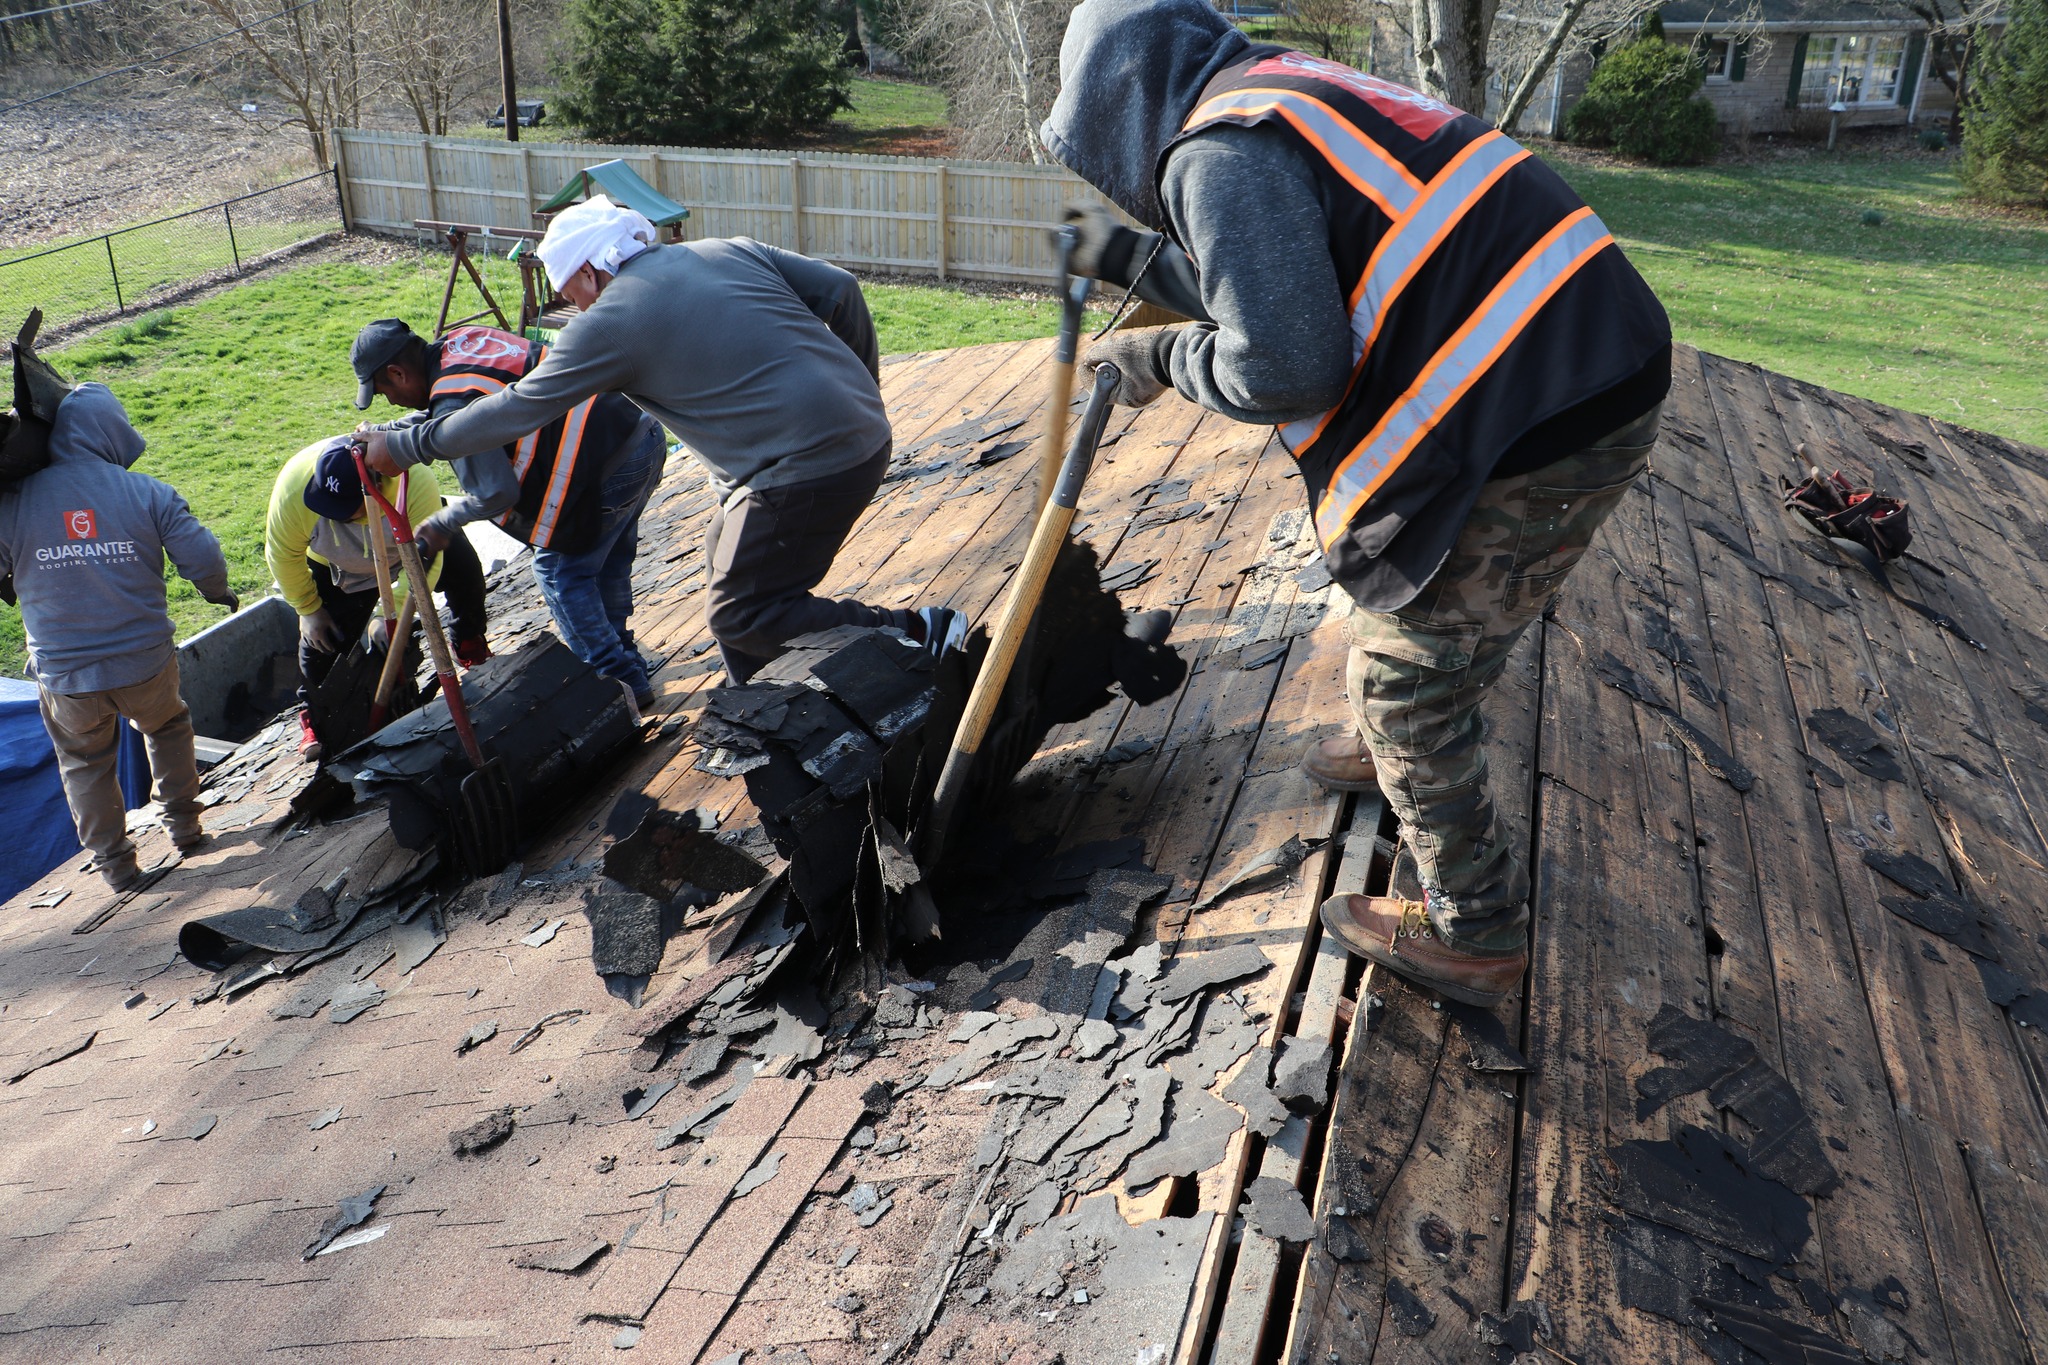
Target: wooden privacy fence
978, 220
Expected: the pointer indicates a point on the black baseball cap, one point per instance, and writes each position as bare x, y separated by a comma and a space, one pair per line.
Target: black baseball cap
376, 346
336, 490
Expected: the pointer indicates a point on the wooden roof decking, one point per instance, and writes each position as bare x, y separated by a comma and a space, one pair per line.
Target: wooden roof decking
1659, 883
1656, 882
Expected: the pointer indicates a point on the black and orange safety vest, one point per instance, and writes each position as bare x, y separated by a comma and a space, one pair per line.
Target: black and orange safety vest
559, 467
1485, 298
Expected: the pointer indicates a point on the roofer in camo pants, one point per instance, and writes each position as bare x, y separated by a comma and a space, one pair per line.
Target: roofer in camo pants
574, 490
85, 541
1465, 367
764, 363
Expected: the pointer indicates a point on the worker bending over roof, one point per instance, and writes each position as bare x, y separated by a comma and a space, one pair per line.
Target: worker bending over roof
764, 363
85, 540
574, 490
1466, 368
317, 543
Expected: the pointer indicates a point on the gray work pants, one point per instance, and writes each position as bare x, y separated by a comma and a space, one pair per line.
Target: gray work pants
769, 548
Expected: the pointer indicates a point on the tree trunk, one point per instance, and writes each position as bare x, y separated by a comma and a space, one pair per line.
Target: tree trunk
1525, 90
1451, 37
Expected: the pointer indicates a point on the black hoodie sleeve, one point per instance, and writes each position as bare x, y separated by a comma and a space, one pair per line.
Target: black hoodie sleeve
1279, 347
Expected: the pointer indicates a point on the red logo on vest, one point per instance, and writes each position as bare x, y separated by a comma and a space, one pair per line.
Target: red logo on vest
1410, 109
483, 346
81, 525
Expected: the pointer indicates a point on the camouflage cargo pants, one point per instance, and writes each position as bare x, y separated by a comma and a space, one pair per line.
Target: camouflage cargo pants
1417, 677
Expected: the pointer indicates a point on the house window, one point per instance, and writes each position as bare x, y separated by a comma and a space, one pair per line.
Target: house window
1714, 57
1859, 69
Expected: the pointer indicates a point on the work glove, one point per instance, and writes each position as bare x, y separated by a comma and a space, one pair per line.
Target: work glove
1140, 357
376, 635
432, 537
1105, 249
229, 600
319, 631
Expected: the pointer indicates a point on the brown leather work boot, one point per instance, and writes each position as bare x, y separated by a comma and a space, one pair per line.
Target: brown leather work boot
1397, 934
1342, 764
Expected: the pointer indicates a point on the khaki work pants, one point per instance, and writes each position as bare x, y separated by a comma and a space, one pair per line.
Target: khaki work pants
85, 728
1417, 676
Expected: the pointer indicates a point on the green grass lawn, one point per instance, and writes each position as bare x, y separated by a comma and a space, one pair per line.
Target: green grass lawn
225, 389
1941, 308
73, 277
880, 104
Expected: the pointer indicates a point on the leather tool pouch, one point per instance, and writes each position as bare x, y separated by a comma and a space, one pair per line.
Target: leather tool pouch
1839, 509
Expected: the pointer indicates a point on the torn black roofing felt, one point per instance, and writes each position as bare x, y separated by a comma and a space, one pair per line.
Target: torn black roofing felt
1859, 745
1705, 1056
2026, 1002
549, 718
1934, 905
1704, 1183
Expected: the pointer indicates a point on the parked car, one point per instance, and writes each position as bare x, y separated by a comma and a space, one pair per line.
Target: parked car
532, 113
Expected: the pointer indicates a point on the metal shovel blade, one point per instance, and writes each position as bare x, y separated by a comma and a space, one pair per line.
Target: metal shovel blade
485, 820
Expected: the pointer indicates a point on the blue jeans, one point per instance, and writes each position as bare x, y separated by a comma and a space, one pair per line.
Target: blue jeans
590, 594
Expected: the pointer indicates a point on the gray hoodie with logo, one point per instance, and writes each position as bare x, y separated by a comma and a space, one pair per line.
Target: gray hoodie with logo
85, 541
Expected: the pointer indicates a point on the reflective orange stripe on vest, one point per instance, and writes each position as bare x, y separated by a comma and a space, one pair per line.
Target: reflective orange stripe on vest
1406, 248
1371, 169
1457, 365
567, 454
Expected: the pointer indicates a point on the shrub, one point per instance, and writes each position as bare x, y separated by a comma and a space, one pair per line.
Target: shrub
705, 72
1643, 101
2005, 126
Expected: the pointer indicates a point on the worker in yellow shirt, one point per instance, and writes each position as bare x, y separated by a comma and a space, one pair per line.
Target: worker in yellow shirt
317, 542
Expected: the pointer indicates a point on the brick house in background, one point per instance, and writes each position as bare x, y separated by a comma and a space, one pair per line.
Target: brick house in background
1782, 73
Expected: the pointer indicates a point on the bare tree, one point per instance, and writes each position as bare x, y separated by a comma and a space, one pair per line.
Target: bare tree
1956, 30
315, 56
1337, 30
1451, 38
434, 56
1536, 37
998, 61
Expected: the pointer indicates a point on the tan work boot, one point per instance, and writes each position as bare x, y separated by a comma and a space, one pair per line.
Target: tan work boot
1398, 935
1342, 764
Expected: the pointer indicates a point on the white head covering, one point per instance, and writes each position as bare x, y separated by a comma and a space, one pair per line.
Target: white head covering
597, 233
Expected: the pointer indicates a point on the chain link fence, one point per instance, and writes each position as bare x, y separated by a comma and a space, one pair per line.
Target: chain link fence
132, 268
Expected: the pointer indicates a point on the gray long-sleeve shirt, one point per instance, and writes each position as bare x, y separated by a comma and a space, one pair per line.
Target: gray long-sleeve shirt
1276, 346
85, 540
763, 362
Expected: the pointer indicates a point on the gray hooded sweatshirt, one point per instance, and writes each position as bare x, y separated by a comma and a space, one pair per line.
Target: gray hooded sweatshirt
85, 541
1244, 203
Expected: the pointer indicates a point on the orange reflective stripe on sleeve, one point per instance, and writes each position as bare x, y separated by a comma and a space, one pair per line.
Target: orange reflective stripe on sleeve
1457, 365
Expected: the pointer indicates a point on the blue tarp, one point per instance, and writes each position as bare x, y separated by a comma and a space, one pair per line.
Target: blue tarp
39, 830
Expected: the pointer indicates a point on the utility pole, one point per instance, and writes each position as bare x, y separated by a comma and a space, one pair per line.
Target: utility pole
505, 69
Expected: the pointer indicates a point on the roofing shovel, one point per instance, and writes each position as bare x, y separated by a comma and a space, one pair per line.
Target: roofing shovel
1014, 625
484, 820
396, 627
1073, 297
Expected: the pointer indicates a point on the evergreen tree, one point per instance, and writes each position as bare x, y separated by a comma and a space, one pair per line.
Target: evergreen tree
2005, 137
702, 72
